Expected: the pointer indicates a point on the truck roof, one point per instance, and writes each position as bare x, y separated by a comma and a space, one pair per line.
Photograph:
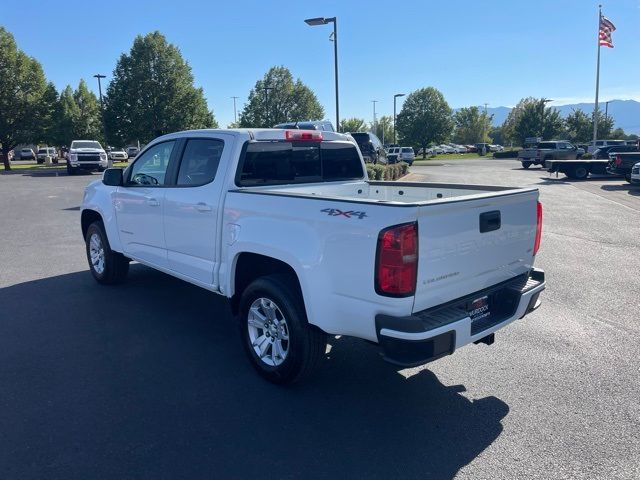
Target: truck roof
260, 133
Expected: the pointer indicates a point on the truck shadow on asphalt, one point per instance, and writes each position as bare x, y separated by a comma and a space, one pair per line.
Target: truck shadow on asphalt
630, 189
149, 379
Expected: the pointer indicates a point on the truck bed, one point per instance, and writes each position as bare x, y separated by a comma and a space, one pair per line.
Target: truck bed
394, 193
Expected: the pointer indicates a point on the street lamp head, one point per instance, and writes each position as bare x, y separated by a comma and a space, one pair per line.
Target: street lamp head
317, 21
399, 95
97, 75
547, 100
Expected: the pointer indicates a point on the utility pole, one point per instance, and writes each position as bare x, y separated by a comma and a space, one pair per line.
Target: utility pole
484, 123
235, 112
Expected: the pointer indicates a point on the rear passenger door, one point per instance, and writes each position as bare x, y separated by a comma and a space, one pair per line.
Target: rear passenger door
193, 205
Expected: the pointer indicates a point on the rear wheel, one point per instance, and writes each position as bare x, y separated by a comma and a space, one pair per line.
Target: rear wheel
107, 266
579, 172
280, 343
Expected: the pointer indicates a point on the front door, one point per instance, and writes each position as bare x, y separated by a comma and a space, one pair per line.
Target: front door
139, 205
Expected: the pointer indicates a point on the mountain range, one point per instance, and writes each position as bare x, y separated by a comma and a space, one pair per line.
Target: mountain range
626, 113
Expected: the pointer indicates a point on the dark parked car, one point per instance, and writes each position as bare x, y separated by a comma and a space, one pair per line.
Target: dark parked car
370, 147
622, 163
604, 152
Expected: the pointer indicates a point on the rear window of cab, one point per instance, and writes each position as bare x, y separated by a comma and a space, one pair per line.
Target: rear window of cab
281, 163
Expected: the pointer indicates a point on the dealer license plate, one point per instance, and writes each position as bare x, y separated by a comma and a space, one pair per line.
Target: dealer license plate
479, 308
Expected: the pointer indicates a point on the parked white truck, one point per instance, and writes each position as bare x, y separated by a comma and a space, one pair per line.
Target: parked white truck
286, 224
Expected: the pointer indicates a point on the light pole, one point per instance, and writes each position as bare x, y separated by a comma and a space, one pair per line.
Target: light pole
375, 131
266, 89
606, 111
394, 114
544, 102
104, 126
323, 21
235, 112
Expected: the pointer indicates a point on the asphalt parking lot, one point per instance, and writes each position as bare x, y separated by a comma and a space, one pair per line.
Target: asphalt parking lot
148, 379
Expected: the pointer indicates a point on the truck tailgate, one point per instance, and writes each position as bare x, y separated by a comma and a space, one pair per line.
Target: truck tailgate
468, 245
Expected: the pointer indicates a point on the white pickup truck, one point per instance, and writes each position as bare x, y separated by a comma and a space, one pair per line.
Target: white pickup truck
286, 224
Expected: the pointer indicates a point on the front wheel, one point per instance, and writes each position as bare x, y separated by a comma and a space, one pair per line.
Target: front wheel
107, 267
526, 165
276, 336
627, 177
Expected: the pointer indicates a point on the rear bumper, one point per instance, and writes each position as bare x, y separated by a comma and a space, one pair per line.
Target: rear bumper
436, 332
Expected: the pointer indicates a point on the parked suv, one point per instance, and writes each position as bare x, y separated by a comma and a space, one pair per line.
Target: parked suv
44, 151
605, 152
407, 155
370, 147
86, 155
26, 154
132, 152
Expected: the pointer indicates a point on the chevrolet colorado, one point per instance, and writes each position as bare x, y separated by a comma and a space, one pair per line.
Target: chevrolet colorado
286, 224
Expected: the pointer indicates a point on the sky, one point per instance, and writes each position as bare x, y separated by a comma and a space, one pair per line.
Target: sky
475, 52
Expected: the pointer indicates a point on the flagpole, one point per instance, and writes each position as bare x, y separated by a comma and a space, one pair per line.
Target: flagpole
595, 108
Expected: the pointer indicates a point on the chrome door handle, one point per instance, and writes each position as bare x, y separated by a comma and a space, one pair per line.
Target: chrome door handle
203, 207
152, 202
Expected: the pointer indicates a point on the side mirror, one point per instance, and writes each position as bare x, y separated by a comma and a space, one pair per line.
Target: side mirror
112, 177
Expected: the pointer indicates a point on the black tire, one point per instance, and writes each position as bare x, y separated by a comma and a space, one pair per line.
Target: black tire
578, 172
526, 165
306, 344
101, 169
627, 177
71, 170
115, 266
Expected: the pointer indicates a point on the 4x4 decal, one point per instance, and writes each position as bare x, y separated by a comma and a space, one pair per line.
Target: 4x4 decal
334, 212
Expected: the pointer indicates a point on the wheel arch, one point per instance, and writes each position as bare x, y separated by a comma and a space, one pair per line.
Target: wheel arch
249, 266
87, 217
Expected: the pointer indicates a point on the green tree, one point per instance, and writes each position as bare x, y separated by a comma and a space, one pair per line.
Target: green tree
530, 118
384, 129
353, 125
68, 110
48, 112
278, 99
87, 122
425, 118
472, 125
22, 87
152, 93
579, 127
497, 135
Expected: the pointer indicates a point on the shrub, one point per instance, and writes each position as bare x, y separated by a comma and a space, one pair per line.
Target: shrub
387, 172
587, 156
506, 154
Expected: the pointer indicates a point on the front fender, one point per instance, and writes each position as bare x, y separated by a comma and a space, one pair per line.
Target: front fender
99, 198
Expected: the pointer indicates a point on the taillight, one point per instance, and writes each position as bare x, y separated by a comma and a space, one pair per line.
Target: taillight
536, 245
397, 260
618, 160
303, 135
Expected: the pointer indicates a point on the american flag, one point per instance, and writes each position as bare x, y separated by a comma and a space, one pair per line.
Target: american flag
606, 29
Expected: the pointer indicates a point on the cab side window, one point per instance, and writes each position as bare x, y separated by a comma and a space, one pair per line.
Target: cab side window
200, 161
150, 169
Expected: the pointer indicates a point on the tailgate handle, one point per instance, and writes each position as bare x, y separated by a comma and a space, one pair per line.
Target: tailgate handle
490, 221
